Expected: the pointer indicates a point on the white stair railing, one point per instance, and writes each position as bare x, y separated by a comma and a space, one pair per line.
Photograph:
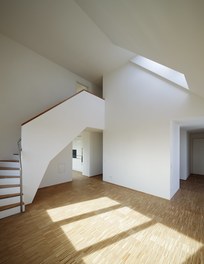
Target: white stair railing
21, 178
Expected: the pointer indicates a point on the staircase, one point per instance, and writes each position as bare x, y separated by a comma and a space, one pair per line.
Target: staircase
10, 188
43, 137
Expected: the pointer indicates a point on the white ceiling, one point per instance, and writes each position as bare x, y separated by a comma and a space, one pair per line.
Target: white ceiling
62, 32
170, 32
92, 37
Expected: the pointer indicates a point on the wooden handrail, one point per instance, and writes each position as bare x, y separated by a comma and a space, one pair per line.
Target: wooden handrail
57, 105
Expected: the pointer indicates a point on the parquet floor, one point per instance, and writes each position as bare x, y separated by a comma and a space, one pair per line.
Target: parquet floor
88, 221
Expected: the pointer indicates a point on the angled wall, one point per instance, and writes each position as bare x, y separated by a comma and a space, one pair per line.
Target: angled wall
59, 169
47, 135
140, 112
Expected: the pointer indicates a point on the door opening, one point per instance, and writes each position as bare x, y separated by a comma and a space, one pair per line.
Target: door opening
87, 153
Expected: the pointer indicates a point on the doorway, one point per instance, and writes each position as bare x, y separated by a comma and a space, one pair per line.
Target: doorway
77, 154
87, 153
197, 153
182, 157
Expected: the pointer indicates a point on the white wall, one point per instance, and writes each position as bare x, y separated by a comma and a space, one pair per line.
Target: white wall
86, 153
47, 135
174, 157
59, 169
140, 109
197, 153
96, 153
29, 84
184, 154
93, 153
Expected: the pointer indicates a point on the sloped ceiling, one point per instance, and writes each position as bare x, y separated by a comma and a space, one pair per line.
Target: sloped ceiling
62, 32
92, 37
170, 32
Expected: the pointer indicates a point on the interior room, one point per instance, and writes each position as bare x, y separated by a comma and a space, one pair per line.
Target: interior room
102, 131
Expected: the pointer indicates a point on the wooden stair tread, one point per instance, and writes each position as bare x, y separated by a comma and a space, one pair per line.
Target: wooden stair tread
9, 186
4, 196
6, 207
9, 168
9, 160
9, 177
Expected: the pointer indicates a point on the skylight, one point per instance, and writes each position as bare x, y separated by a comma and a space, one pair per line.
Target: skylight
161, 70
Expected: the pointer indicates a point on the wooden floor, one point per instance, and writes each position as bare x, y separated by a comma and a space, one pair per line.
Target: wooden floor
89, 221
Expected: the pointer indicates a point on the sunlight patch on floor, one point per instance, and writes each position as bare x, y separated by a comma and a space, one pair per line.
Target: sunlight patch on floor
146, 246
77, 209
99, 228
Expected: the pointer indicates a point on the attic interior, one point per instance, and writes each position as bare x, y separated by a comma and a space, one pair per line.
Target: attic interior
143, 137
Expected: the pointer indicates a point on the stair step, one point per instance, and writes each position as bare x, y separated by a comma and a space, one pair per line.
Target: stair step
11, 211
9, 177
9, 181
9, 168
10, 200
12, 171
9, 160
6, 207
9, 164
5, 196
9, 186
5, 191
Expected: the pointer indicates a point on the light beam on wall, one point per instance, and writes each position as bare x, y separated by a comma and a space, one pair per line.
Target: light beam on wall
161, 70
